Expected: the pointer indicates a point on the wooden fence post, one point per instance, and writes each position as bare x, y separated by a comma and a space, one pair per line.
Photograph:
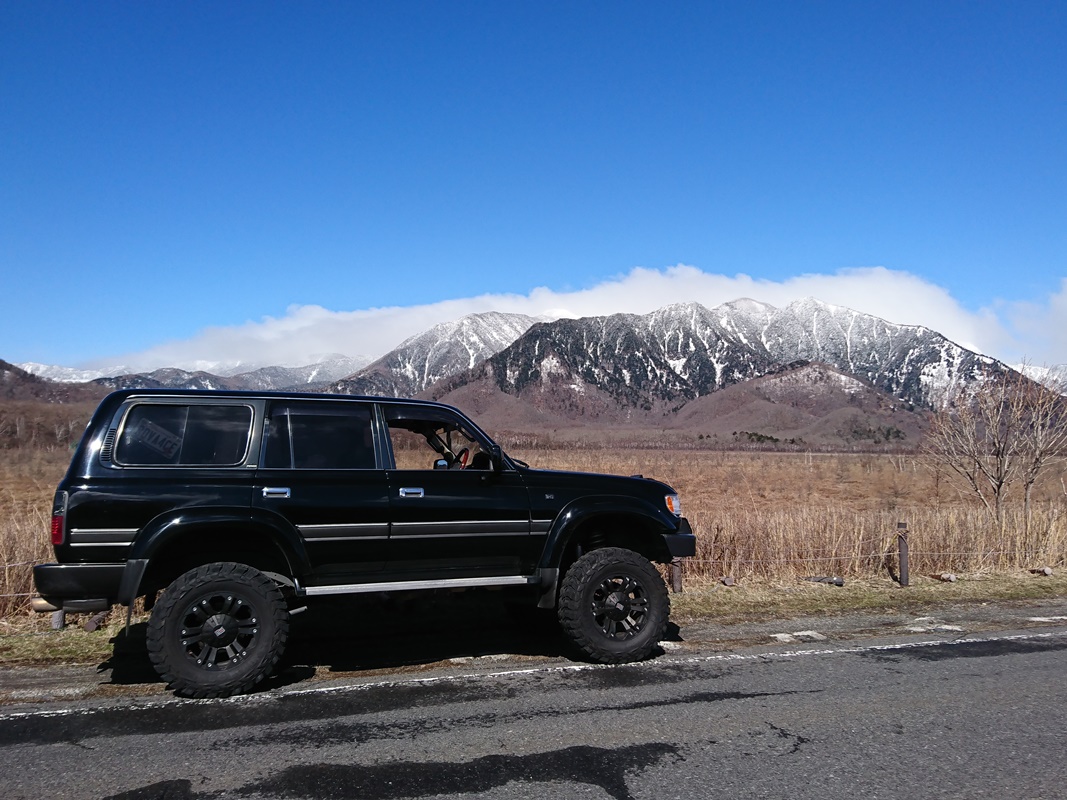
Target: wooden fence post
676, 577
902, 547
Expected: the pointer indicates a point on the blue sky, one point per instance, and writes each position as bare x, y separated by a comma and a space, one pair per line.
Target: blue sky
208, 181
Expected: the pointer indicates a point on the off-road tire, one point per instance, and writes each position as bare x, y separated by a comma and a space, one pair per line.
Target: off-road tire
218, 630
613, 606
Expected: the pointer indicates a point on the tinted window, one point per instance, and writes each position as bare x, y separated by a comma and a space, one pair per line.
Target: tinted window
184, 435
319, 436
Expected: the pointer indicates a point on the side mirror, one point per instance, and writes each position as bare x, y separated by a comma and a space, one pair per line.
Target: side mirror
496, 455
440, 463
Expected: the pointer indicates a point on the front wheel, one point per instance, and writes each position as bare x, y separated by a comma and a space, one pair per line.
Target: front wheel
218, 630
613, 606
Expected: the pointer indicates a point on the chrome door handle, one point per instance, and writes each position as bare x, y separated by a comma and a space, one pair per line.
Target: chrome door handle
409, 491
277, 491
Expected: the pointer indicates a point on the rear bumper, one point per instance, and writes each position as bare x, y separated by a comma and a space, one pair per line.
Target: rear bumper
683, 542
77, 587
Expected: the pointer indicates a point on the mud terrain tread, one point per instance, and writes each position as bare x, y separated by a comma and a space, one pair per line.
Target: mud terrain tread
576, 596
171, 662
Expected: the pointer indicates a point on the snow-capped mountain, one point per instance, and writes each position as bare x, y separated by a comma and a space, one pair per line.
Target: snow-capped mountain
169, 378
440, 352
658, 362
1054, 377
211, 375
19, 385
70, 374
323, 368
628, 366
328, 368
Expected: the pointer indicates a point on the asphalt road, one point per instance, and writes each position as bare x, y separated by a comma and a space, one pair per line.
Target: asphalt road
930, 708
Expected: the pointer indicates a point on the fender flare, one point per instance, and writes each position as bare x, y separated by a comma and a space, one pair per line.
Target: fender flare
167, 528
580, 511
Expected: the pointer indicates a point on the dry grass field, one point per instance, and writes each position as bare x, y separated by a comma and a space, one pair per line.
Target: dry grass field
759, 515
794, 515
28, 479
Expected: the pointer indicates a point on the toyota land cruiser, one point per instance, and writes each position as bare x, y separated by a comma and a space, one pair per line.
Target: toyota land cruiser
228, 511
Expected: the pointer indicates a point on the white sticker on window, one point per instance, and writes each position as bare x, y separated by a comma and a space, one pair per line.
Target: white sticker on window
159, 439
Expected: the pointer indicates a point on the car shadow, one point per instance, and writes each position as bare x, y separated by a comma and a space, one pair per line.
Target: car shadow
368, 633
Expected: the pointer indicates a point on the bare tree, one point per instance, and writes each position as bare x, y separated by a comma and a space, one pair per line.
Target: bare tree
1044, 430
1006, 429
966, 440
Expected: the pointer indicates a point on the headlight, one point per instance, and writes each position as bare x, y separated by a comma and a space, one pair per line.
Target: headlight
674, 504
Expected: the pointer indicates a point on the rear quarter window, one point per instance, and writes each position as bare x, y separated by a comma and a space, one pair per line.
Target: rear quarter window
170, 434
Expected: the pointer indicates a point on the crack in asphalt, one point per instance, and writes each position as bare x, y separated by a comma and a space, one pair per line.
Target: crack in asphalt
797, 740
362, 733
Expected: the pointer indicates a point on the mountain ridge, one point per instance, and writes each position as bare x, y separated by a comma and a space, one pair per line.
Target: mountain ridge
657, 362
656, 369
437, 353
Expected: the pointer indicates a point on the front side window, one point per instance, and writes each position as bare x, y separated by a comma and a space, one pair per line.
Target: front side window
172, 434
319, 436
424, 438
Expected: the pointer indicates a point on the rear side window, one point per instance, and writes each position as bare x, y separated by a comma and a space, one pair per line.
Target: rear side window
319, 436
184, 435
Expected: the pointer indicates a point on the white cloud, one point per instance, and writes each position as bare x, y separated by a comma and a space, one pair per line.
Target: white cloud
901, 297
1041, 329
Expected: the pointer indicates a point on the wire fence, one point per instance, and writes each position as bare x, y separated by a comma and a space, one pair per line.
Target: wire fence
852, 557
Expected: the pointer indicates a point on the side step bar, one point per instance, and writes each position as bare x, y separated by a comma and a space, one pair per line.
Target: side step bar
443, 583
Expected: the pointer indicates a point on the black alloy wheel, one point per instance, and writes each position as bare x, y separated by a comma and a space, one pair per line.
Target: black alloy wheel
218, 630
613, 606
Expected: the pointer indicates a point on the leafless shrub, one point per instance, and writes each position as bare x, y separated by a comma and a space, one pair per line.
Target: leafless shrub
994, 435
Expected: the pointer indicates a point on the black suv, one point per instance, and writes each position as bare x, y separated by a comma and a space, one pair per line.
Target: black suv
243, 507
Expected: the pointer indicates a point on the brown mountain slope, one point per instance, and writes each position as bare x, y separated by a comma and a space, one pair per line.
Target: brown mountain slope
813, 404
36, 414
809, 405
17, 384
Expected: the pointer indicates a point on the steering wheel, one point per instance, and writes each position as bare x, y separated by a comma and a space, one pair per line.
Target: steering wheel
461, 458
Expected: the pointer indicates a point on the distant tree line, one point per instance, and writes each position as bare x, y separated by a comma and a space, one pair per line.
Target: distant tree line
41, 426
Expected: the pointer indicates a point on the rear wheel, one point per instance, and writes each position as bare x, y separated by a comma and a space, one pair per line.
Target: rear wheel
218, 630
613, 606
